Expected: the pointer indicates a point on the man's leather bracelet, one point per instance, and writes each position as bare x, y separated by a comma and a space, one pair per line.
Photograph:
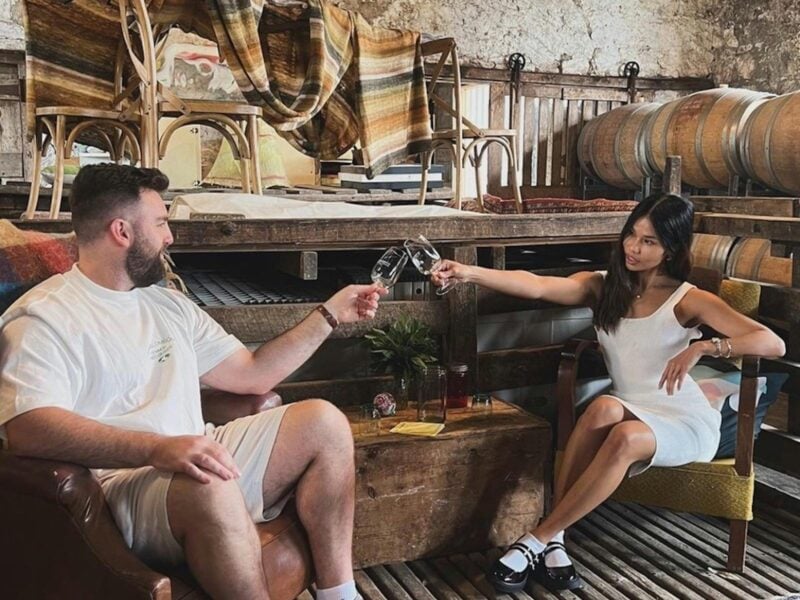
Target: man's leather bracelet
332, 321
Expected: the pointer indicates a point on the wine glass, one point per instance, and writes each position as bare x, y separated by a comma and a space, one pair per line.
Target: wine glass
387, 270
427, 260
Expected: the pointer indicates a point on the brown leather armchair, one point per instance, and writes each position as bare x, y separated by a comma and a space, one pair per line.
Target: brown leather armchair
60, 541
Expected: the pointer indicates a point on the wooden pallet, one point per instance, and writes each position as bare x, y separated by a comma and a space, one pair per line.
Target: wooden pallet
623, 551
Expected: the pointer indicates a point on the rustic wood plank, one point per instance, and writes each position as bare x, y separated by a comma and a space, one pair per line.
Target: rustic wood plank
388, 584
672, 176
341, 392
778, 450
474, 574
253, 324
779, 229
684, 555
482, 563
431, 580
318, 234
366, 587
707, 543
498, 259
559, 151
450, 574
626, 550
572, 168
762, 566
780, 302
618, 586
685, 572
544, 144
410, 582
747, 205
518, 367
607, 569
302, 265
529, 137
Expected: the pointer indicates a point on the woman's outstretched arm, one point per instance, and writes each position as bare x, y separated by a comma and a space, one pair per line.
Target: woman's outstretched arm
577, 289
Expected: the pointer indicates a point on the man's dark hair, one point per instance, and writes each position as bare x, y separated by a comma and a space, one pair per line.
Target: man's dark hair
101, 192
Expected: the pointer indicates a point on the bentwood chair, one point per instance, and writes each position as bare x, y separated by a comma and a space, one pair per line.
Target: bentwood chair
464, 140
720, 488
73, 90
236, 121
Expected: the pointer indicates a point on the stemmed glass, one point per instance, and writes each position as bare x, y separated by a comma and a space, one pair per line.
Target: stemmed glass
427, 260
387, 270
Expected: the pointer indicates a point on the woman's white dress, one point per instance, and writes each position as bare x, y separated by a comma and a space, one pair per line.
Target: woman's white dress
685, 425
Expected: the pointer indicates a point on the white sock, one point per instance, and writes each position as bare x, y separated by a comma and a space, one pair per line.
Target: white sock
345, 591
514, 559
557, 558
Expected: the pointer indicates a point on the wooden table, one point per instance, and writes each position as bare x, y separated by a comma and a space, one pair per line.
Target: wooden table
480, 483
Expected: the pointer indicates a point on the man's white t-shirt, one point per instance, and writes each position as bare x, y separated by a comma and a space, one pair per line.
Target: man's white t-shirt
128, 359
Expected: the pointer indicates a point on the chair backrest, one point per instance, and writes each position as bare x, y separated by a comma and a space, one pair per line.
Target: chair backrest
439, 95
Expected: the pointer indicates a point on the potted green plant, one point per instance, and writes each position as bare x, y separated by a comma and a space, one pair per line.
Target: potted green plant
403, 349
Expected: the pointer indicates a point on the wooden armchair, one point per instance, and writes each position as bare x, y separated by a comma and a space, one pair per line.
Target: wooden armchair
60, 540
721, 488
462, 138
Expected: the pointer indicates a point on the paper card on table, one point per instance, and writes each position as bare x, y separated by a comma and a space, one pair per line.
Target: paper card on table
410, 428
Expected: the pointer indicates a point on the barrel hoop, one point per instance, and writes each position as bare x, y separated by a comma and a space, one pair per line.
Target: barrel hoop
768, 142
588, 131
698, 137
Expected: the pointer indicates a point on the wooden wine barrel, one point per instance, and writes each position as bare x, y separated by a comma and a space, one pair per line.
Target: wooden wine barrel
770, 145
751, 259
704, 130
610, 146
711, 251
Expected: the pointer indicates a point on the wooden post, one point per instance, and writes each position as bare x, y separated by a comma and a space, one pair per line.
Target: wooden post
672, 176
462, 343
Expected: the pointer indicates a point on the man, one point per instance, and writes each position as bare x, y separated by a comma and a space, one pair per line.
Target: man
102, 368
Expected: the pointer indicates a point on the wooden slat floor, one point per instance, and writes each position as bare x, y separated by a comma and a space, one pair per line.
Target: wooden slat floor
624, 551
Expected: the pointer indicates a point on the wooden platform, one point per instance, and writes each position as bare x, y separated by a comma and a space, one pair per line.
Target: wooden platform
624, 551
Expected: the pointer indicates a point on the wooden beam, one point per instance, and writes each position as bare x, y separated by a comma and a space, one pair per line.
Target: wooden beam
255, 324
780, 302
341, 392
777, 229
462, 341
518, 367
778, 450
317, 234
747, 205
672, 176
302, 265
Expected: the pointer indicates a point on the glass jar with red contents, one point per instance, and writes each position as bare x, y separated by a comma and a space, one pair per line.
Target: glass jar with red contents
457, 392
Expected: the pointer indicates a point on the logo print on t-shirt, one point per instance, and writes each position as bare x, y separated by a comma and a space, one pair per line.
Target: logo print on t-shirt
161, 350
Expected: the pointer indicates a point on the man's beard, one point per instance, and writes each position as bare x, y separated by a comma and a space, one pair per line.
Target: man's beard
144, 269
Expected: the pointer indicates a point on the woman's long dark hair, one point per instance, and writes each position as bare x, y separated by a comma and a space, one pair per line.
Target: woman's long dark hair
672, 219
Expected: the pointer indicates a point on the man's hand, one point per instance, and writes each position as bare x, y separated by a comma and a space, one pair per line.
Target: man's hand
355, 302
194, 455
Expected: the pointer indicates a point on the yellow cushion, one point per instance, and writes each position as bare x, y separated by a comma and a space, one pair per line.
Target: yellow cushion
708, 488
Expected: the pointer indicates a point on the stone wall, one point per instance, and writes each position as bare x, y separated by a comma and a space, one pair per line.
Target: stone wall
760, 45
12, 36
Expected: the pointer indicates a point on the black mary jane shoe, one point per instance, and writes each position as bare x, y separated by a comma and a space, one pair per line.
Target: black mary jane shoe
556, 579
505, 579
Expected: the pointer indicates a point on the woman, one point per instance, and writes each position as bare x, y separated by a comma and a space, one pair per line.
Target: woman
646, 316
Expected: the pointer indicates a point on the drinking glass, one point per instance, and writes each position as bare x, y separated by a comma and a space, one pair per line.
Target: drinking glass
389, 266
432, 395
427, 260
369, 420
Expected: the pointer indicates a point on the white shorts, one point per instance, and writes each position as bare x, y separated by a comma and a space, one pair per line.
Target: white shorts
138, 497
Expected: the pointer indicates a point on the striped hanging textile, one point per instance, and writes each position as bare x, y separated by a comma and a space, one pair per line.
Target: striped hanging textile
330, 84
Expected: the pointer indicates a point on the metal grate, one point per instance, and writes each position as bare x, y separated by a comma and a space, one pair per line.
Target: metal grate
211, 288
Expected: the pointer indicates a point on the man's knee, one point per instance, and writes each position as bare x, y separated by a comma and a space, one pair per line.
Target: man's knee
210, 506
327, 425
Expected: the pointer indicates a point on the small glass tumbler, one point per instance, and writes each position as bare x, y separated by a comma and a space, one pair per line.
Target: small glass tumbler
432, 395
482, 403
369, 420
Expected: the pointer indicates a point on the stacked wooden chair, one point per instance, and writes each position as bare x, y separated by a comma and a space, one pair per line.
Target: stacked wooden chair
464, 140
236, 121
74, 90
